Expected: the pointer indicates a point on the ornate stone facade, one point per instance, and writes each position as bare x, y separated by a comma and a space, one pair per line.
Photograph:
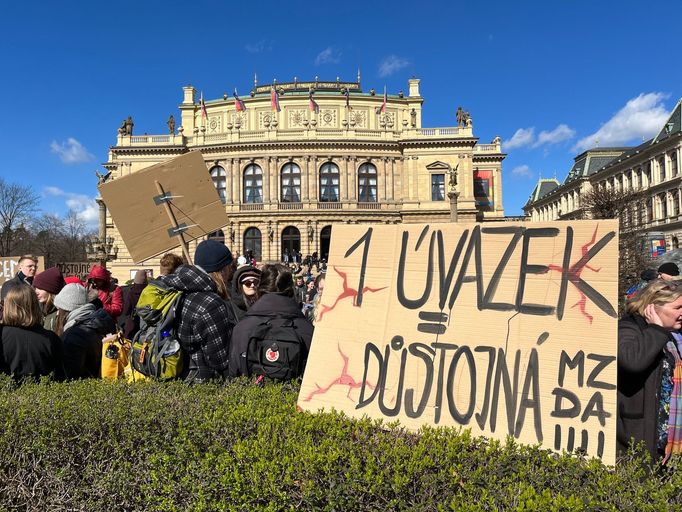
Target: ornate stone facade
287, 181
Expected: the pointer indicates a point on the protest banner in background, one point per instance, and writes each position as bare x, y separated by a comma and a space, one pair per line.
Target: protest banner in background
140, 210
506, 329
79, 269
9, 264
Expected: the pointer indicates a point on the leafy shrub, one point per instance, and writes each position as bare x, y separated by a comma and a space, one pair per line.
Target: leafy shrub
96, 445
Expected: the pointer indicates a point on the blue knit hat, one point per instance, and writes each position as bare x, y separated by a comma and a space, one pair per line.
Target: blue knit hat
212, 256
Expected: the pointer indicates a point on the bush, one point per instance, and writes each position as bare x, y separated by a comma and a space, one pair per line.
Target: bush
96, 445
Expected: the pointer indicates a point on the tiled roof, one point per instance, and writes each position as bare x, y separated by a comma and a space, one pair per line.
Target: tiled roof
543, 187
673, 124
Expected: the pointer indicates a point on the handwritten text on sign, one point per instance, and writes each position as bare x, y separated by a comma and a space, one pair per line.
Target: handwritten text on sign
506, 329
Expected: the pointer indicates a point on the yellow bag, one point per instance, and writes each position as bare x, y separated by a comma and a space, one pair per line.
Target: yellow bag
115, 356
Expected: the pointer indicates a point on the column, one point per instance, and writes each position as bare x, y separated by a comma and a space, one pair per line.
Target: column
305, 179
389, 180
237, 182
343, 182
384, 186
314, 181
350, 176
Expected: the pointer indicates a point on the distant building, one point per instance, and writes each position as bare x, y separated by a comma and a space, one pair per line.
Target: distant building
652, 167
288, 176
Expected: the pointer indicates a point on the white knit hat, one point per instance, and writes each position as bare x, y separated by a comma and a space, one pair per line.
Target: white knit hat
71, 297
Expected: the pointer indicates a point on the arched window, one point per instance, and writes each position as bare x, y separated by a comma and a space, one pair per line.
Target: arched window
219, 177
252, 243
291, 183
367, 183
329, 182
291, 242
674, 170
325, 240
253, 184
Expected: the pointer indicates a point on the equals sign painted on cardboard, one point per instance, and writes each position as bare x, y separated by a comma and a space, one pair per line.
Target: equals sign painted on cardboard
434, 322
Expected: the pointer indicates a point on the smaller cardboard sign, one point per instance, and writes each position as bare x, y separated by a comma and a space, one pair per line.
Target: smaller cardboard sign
9, 267
139, 212
79, 269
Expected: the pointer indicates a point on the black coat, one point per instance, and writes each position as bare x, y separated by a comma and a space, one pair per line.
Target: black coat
31, 352
268, 306
641, 351
83, 344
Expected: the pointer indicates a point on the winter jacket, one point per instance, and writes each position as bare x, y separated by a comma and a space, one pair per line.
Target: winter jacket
640, 363
50, 319
204, 326
268, 306
31, 352
83, 332
112, 301
129, 322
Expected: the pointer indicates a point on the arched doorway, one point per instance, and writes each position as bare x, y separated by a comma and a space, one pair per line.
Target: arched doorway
325, 240
291, 243
252, 242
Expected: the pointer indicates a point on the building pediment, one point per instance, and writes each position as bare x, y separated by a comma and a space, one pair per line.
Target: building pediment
438, 165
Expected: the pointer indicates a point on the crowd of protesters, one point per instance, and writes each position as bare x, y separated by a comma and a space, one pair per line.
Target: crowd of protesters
54, 326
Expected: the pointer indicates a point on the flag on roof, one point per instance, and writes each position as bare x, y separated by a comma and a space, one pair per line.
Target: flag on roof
382, 108
238, 104
314, 107
346, 93
202, 105
274, 99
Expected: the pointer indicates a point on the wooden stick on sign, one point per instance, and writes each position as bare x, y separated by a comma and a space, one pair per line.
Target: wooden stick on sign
174, 223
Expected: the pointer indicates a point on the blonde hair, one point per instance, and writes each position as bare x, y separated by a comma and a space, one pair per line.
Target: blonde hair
658, 292
22, 308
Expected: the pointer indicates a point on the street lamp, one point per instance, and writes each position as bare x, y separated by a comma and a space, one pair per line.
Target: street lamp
101, 249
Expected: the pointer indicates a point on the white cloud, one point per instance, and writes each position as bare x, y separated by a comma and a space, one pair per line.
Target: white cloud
259, 46
391, 64
85, 206
328, 56
522, 137
641, 118
559, 134
525, 137
522, 171
71, 151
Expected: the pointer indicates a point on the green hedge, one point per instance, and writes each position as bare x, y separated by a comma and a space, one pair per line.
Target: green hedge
94, 445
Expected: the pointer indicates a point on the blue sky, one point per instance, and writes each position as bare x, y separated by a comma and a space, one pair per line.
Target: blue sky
550, 78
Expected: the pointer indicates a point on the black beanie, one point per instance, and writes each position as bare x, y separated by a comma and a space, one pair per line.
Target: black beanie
669, 268
212, 256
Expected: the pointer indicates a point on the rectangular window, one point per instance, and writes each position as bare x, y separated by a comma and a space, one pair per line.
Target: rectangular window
438, 187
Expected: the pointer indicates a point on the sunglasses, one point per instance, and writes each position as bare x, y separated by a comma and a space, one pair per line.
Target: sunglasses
250, 282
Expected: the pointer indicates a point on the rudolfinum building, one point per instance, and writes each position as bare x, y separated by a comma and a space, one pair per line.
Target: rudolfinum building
292, 160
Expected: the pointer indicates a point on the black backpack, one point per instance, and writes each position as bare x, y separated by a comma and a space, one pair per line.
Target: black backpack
275, 350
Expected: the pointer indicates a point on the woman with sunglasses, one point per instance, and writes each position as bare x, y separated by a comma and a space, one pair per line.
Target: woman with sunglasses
650, 371
245, 288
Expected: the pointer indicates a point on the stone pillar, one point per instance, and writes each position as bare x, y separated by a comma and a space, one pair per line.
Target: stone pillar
314, 181
453, 195
305, 180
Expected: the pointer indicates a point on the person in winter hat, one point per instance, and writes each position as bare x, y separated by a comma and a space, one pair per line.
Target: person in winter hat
245, 288
276, 292
109, 294
205, 318
47, 285
81, 326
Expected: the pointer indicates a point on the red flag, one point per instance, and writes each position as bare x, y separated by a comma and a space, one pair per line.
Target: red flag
238, 104
274, 99
203, 106
314, 107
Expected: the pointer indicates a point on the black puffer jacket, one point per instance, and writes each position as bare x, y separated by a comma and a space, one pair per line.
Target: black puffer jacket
31, 352
641, 350
204, 326
268, 306
83, 341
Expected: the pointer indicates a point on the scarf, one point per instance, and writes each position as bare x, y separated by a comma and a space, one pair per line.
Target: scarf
674, 445
79, 314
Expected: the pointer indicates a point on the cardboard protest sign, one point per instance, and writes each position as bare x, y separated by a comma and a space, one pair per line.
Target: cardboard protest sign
506, 329
139, 210
79, 269
9, 264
